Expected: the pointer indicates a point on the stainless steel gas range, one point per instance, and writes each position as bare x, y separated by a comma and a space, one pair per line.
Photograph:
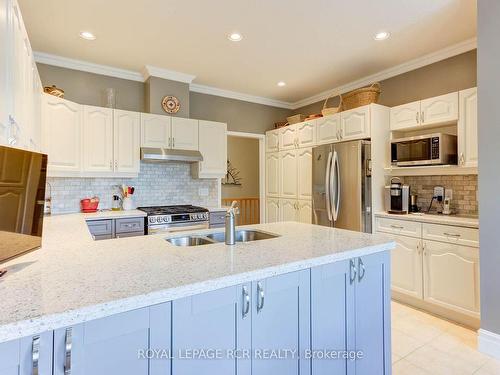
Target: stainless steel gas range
169, 219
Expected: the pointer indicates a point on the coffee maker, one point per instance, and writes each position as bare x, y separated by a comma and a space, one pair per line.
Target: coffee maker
397, 197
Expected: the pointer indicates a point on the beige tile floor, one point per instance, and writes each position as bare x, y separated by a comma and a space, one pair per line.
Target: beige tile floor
425, 345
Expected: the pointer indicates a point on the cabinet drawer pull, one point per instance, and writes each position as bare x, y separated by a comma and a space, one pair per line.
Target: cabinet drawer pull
361, 268
246, 302
67, 351
452, 234
260, 297
422, 120
396, 226
352, 271
416, 117
35, 354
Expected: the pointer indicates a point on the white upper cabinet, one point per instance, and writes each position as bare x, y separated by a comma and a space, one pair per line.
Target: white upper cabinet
306, 134
155, 130
467, 128
287, 137
97, 139
272, 140
184, 133
355, 123
405, 116
61, 134
272, 175
440, 109
4, 59
328, 129
126, 133
288, 174
213, 148
304, 173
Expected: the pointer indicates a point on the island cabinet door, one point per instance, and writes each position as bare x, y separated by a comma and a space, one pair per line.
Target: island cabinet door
281, 324
9, 357
111, 345
330, 296
211, 331
369, 326
35, 354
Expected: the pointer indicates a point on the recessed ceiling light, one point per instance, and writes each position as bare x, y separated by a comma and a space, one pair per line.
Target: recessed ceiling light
235, 37
87, 35
383, 35
281, 83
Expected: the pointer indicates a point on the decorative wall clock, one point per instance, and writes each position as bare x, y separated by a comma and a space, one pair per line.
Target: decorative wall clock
170, 104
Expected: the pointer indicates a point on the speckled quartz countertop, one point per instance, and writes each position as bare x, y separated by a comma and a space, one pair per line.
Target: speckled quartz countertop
456, 220
73, 279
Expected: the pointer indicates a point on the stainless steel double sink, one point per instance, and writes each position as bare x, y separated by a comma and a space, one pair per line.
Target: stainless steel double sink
242, 235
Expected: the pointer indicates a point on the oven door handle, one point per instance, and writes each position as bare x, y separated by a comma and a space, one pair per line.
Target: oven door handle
177, 228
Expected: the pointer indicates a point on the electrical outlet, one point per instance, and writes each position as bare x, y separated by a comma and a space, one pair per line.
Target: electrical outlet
439, 193
448, 193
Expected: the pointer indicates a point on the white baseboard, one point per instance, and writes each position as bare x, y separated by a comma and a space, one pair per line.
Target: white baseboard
489, 343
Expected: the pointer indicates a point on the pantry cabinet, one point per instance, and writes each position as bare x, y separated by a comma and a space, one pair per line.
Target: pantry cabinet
220, 319
126, 135
287, 137
273, 175
97, 139
467, 128
155, 130
288, 174
304, 173
272, 140
184, 133
272, 210
304, 211
62, 135
288, 210
213, 148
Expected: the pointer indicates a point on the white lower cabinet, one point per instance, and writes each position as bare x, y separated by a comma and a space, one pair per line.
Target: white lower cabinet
406, 266
451, 276
288, 210
213, 148
436, 264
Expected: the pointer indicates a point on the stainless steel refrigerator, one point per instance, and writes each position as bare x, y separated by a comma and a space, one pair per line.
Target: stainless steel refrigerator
341, 185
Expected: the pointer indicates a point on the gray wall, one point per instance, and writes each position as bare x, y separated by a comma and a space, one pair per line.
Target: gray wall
489, 161
155, 89
453, 74
239, 115
88, 88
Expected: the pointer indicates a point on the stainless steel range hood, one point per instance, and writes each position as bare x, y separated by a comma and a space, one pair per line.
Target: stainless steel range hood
164, 155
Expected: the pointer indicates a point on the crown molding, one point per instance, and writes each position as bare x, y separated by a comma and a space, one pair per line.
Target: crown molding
431, 58
148, 71
85, 66
153, 71
202, 89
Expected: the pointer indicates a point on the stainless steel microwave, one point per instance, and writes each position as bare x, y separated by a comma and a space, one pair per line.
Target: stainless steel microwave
429, 149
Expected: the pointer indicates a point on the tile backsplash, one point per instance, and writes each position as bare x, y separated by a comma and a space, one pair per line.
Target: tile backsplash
157, 184
464, 200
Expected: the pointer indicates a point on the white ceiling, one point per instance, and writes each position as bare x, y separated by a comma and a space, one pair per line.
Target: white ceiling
312, 45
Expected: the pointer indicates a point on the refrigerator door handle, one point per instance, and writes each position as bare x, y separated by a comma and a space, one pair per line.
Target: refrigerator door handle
327, 187
336, 196
332, 187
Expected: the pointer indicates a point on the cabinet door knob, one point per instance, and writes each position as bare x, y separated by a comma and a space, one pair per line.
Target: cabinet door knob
352, 271
67, 351
260, 297
246, 302
361, 268
35, 354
